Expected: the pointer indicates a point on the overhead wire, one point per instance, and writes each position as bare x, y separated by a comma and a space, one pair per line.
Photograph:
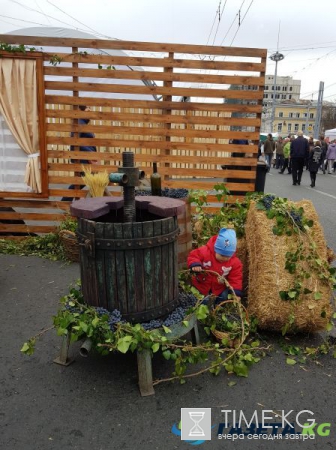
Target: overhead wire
74, 18
219, 19
241, 21
45, 15
22, 20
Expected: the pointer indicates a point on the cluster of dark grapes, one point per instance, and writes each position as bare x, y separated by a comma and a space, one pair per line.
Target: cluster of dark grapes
152, 325
175, 193
166, 192
186, 301
268, 200
114, 318
297, 218
102, 311
175, 316
73, 309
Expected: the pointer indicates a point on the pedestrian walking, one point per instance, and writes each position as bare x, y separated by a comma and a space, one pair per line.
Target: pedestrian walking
287, 161
299, 150
269, 147
314, 162
279, 153
311, 146
331, 156
324, 147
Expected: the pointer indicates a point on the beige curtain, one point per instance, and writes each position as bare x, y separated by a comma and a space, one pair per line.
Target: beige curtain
18, 105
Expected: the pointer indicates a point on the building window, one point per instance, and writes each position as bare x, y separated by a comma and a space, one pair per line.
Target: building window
290, 96
296, 127
266, 88
303, 127
277, 96
280, 126
305, 115
290, 115
290, 88
283, 96
311, 116
278, 88
289, 127
284, 88
265, 95
297, 115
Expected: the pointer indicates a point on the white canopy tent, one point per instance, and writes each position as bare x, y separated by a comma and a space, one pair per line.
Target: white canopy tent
331, 134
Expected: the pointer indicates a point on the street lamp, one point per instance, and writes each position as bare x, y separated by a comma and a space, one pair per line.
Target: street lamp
275, 57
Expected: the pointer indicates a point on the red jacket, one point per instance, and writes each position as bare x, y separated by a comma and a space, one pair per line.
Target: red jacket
205, 256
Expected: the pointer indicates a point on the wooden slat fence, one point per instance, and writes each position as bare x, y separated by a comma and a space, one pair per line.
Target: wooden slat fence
179, 105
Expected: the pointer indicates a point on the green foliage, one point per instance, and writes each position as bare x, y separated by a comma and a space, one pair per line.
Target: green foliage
207, 225
106, 67
68, 223
302, 354
16, 48
80, 321
47, 246
55, 60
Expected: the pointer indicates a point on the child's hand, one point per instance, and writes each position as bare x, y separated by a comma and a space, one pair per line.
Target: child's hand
197, 269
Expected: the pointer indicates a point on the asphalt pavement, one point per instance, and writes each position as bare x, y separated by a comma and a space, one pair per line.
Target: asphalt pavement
95, 403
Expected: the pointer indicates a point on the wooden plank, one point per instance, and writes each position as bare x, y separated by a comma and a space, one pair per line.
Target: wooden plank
158, 257
132, 45
153, 90
149, 132
44, 204
131, 281
180, 63
155, 76
202, 157
31, 216
173, 171
121, 271
100, 267
149, 104
140, 292
140, 118
113, 300
148, 259
13, 228
41, 126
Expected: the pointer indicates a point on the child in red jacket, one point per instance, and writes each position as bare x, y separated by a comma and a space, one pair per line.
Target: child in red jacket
217, 255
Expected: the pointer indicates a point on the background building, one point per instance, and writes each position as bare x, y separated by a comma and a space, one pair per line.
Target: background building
291, 114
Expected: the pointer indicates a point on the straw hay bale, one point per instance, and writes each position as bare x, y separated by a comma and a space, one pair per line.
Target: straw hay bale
268, 276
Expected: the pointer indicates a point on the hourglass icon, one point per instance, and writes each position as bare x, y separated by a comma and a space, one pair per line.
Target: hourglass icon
196, 417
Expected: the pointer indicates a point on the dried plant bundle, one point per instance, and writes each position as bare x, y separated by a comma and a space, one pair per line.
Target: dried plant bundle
96, 182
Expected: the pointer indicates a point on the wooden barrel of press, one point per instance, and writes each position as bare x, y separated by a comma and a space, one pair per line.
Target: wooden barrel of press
132, 267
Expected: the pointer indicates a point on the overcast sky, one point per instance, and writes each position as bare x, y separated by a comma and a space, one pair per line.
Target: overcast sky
307, 36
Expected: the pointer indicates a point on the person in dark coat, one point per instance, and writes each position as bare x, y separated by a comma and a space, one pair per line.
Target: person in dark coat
314, 162
82, 148
324, 147
269, 147
299, 151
